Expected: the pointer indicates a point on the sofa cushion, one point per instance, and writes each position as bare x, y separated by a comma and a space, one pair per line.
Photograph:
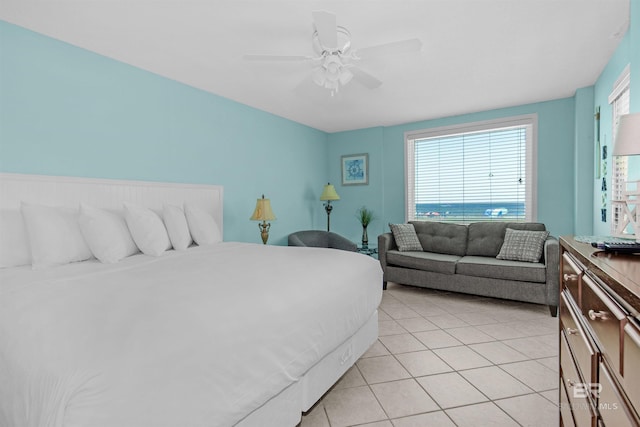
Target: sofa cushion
441, 237
429, 261
523, 245
486, 238
493, 268
405, 237
532, 226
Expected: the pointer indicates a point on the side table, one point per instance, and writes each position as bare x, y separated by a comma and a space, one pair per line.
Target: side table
368, 250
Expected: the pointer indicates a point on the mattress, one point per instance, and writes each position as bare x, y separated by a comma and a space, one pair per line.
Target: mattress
194, 338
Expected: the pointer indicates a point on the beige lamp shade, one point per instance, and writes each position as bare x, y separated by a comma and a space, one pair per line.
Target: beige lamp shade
627, 141
329, 193
263, 210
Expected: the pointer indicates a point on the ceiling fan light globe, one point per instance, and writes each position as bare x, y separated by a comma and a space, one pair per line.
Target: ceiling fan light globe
333, 74
333, 79
318, 76
332, 85
345, 76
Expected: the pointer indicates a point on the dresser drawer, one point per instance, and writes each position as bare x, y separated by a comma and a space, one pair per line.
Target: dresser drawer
631, 364
579, 343
571, 276
599, 337
577, 390
565, 408
611, 405
605, 318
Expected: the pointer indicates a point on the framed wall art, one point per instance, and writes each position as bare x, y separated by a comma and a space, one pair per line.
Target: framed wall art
355, 169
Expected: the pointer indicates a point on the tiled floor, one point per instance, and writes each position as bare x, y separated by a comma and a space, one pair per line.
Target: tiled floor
445, 359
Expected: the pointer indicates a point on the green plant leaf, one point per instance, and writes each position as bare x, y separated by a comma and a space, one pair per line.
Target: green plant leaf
365, 216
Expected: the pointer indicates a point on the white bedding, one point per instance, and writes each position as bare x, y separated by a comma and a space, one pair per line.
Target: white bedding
192, 338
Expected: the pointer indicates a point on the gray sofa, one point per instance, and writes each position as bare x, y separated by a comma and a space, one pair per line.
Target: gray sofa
462, 258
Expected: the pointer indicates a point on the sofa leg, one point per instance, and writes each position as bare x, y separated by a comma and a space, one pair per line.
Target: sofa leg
384, 285
553, 309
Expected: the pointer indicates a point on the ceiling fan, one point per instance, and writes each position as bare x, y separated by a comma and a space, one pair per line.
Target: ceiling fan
334, 62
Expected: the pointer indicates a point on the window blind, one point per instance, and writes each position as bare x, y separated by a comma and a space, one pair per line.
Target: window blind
469, 176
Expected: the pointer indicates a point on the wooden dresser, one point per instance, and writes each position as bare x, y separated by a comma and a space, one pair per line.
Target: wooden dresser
599, 337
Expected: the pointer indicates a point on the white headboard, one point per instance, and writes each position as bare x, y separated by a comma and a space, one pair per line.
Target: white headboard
106, 193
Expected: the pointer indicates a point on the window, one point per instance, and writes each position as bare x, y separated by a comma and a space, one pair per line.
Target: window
472, 172
619, 100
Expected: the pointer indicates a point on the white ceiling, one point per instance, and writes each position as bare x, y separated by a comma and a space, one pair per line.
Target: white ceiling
476, 54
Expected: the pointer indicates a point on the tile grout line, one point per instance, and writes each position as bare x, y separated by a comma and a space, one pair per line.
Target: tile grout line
390, 299
493, 364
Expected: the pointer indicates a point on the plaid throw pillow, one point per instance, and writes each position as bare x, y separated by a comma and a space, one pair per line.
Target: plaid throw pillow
406, 237
523, 245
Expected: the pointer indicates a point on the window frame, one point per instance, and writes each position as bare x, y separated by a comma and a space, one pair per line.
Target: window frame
619, 165
531, 155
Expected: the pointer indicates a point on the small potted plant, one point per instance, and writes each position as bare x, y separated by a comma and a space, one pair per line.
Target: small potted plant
365, 216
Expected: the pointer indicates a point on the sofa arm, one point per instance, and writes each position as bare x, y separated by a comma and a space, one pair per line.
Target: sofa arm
386, 242
552, 264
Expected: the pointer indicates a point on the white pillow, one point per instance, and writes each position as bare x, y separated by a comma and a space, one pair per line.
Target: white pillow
147, 229
203, 227
54, 235
177, 227
106, 234
14, 242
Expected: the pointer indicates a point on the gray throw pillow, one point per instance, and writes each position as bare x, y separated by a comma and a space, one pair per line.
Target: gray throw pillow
405, 237
523, 245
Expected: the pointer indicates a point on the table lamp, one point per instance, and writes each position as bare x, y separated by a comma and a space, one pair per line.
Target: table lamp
263, 213
329, 194
627, 143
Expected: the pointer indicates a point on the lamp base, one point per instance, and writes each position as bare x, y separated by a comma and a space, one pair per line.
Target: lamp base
328, 208
629, 209
264, 231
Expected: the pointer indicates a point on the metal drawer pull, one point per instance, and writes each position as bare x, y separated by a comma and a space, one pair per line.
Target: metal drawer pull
571, 331
570, 383
570, 277
595, 315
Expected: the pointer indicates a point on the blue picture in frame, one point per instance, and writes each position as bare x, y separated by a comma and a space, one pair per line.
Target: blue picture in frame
355, 169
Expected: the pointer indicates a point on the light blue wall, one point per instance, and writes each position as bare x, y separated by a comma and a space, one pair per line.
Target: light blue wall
627, 53
67, 111
353, 197
568, 194
385, 193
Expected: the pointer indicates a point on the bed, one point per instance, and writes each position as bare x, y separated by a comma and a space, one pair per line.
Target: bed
224, 334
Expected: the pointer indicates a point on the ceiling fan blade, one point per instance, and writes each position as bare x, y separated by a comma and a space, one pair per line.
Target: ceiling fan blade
365, 78
326, 27
262, 57
402, 46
